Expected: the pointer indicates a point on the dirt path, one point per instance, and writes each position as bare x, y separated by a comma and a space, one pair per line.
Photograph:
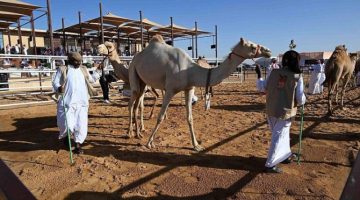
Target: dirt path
234, 132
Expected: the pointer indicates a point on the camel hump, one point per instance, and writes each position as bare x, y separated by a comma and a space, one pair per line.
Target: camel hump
157, 38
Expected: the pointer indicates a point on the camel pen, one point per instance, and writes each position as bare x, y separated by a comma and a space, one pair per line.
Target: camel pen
67, 131
301, 131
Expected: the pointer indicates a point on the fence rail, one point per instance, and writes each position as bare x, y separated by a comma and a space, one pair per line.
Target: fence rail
22, 82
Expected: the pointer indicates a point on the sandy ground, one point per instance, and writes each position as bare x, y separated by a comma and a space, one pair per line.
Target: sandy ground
234, 133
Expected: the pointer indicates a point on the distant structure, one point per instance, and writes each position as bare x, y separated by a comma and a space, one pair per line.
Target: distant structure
292, 45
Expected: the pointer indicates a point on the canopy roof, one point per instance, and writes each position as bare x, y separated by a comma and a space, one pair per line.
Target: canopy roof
4, 25
124, 29
85, 28
179, 29
16, 6
9, 16
147, 24
111, 19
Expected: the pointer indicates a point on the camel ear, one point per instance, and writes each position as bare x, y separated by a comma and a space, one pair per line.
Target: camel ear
242, 41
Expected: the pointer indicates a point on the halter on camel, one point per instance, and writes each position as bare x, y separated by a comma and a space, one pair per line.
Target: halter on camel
207, 97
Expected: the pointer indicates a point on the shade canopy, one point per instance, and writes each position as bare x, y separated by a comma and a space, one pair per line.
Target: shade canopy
85, 28
111, 19
4, 25
181, 30
18, 7
9, 16
147, 24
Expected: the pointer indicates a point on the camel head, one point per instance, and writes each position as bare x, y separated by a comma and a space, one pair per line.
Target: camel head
107, 48
340, 48
249, 50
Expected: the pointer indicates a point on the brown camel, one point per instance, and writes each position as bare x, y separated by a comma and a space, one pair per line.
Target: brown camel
339, 66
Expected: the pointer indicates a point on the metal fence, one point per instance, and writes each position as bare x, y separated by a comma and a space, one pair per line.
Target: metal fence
26, 81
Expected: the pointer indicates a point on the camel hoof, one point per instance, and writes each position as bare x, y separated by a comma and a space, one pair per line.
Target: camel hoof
139, 136
198, 148
149, 145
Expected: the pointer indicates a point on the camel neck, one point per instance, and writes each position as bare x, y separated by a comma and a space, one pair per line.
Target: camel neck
120, 70
218, 74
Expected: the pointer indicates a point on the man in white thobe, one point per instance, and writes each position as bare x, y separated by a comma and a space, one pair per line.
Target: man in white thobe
317, 78
271, 67
72, 82
285, 91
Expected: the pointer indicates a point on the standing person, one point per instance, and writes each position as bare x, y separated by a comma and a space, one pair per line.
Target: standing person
25, 50
17, 49
73, 83
260, 83
272, 66
284, 92
322, 75
316, 78
105, 79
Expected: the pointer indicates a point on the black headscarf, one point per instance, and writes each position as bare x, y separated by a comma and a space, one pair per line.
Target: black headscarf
291, 60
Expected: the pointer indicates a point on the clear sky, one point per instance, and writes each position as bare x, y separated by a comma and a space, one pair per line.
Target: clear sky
315, 25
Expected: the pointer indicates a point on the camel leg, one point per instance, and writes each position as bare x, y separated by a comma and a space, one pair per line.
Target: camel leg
134, 96
139, 102
347, 79
337, 94
188, 96
167, 98
156, 95
333, 82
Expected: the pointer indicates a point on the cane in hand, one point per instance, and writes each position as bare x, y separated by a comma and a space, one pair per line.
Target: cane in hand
301, 131
67, 131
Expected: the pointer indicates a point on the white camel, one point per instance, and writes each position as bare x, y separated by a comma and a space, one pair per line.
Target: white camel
122, 72
170, 69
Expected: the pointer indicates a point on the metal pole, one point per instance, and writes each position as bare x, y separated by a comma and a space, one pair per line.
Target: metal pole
196, 42
172, 31
33, 35
216, 45
141, 30
81, 36
102, 37
192, 46
118, 41
20, 36
50, 27
64, 36
9, 38
102, 24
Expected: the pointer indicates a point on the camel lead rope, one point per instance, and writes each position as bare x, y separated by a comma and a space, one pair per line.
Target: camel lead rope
207, 94
67, 131
300, 135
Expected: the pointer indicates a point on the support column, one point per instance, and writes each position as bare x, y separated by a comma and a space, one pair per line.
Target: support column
118, 41
9, 38
192, 46
216, 45
172, 31
50, 27
64, 36
20, 36
196, 41
102, 24
33, 35
141, 30
81, 35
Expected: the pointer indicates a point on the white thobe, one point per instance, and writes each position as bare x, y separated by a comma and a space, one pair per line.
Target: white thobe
260, 85
280, 132
316, 79
76, 103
